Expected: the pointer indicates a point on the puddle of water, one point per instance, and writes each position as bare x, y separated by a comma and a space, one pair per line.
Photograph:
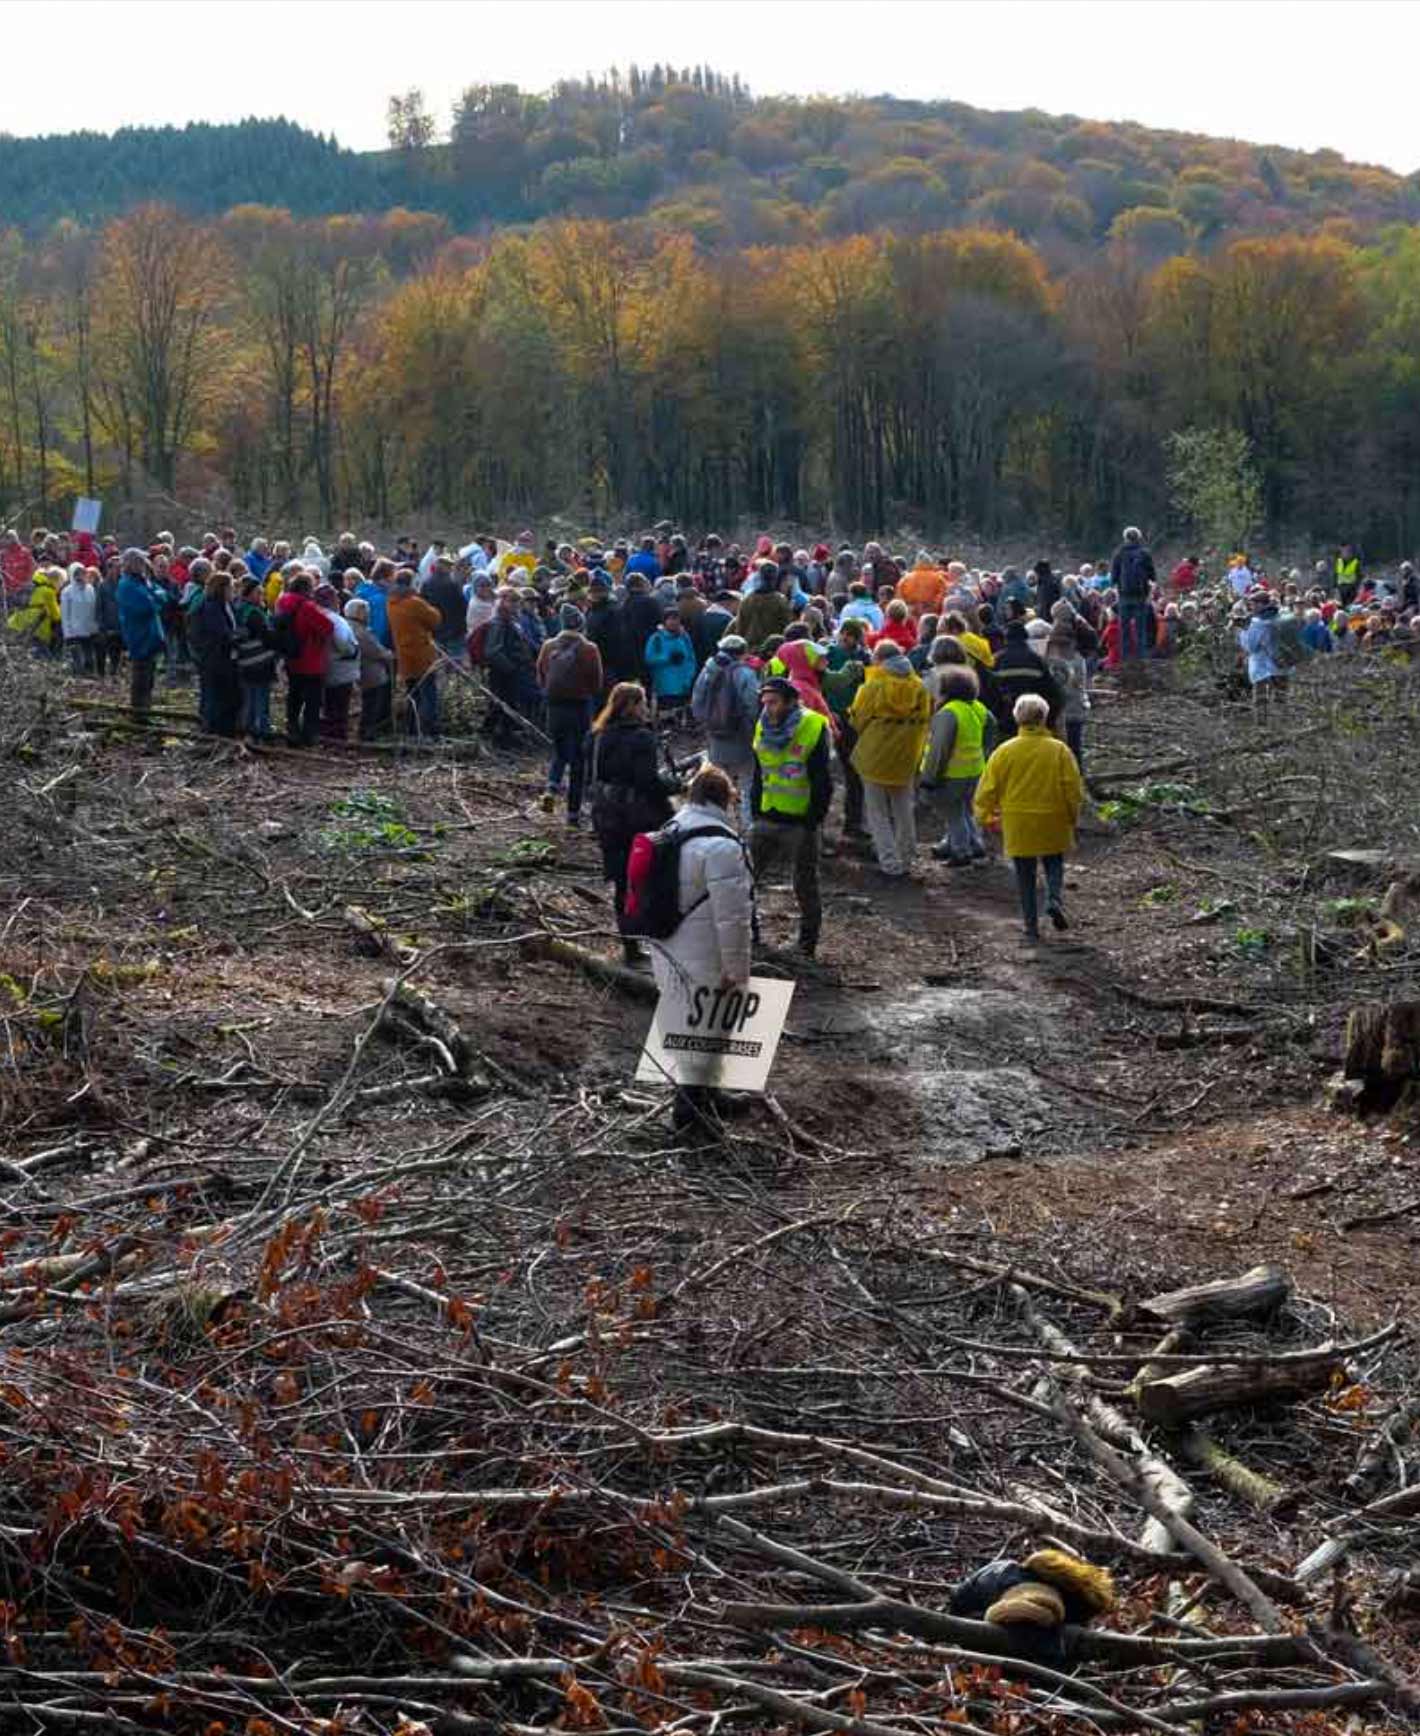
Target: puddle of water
957, 1054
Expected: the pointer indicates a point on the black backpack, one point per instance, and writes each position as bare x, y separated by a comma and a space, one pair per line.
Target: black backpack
653, 880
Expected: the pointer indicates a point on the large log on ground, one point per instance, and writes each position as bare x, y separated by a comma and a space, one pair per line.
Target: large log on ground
1197, 1392
1256, 1292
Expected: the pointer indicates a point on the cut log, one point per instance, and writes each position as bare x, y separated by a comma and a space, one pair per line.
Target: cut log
1383, 1042
1260, 1493
1383, 1449
601, 970
1199, 1392
373, 938
1256, 1292
1162, 1481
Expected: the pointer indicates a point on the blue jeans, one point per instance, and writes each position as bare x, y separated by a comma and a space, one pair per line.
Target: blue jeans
1025, 867
423, 698
568, 721
1133, 636
256, 708
963, 836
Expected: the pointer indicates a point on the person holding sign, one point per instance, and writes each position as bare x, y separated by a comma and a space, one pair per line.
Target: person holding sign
710, 947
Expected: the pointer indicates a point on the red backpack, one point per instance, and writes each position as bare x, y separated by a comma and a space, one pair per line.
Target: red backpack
653, 880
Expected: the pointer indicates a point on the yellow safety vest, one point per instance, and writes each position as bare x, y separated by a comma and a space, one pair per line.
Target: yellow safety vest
967, 760
784, 772
1348, 569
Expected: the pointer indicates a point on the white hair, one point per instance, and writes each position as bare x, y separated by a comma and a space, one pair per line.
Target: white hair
1030, 708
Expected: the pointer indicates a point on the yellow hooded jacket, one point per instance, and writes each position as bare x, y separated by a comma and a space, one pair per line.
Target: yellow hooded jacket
891, 714
1033, 783
40, 616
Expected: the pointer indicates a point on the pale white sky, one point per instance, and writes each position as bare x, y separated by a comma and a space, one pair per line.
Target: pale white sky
1305, 73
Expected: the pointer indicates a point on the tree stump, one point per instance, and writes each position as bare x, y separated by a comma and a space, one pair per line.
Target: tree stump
1383, 1043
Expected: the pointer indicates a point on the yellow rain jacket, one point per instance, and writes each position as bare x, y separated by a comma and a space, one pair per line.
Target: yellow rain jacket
977, 647
40, 616
891, 714
1033, 783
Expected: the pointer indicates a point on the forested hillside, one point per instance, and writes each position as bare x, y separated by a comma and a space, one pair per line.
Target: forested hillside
869, 315
697, 154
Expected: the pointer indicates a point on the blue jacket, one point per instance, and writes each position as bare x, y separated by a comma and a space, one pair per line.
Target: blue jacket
258, 565
643, 561
140, 618
670, 661
369, 592
1317, 635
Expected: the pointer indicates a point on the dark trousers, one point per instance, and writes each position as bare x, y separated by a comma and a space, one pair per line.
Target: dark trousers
374, 711
1025, 867
109, 650
140, 684
771, 841
1075, 740
1133, 628
335, 712
81, 655
221, 696
852, 783
421, 700
568, 722
303, 697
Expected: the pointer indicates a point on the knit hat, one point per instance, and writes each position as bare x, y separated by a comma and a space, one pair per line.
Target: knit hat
733, 643
1031, 1604
570, 618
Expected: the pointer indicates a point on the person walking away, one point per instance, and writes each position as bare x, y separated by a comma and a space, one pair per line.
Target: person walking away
1033, 787
569, 672
256, 661
413, 624
301, 632
790, 797
764, 610
79, 620
508, 658
924, 589
710, 947
342, 667
1047, 588
376, 672
1260, 642
215, 636
842, 677
891, 714
1131, 574
954, 759
670, 660
1070, 674
627, 792
725, 703
1019, 669
1348, 574
140, 624
640, 616
108, 641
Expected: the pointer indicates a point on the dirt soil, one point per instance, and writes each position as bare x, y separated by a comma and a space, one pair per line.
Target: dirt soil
209, 1087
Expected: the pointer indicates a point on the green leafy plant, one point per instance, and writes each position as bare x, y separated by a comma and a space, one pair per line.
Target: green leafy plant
1157, 895
1252, 941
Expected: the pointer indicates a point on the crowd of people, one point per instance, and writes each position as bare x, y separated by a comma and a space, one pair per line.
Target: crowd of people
930, 691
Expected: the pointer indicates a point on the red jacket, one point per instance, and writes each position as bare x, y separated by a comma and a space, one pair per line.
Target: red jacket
903, 633
313, 628
17, 565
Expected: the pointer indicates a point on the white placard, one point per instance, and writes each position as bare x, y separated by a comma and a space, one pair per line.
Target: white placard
703, 1035
87, 514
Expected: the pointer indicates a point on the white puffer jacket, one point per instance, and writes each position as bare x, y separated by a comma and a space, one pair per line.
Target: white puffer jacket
717, 890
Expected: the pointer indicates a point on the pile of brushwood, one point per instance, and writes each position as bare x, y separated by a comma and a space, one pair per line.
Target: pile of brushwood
359, 1374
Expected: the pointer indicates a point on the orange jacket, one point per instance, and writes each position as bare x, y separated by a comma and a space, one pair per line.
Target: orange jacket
413, 624
924, 590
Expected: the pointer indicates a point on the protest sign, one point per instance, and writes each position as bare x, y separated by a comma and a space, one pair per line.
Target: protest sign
86, 514
703, 1035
